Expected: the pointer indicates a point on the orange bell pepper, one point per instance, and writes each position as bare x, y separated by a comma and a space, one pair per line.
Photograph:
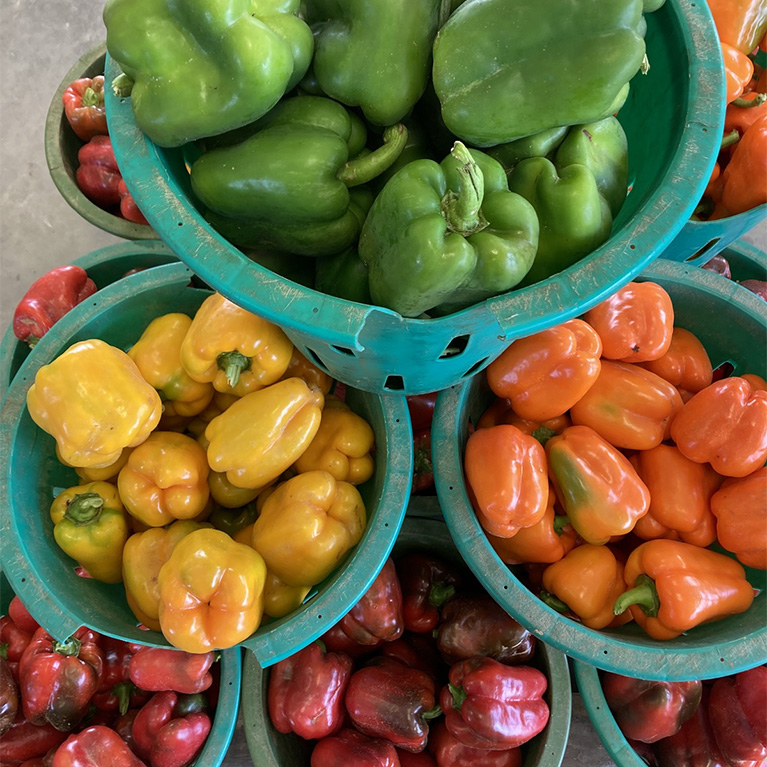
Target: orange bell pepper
740, 23
743, 112
686, 364
636, 323
543, 375
506, 479
738, 71
756, 382
596, 484
674, 586
740, 508
743, 180
629, 406
500, 411
586, 582
300, 367
725, 425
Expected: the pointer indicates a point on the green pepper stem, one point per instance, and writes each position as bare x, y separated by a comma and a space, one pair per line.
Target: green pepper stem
440, 593
84, 509
555, 604
70, 647
729, 139
462, 210
90, 98
757, 101
561, 521
432, 713
365, 168
322, 645
122, 86
644, 595
459, 696
4, 650
543, 434
233, 363
123, 691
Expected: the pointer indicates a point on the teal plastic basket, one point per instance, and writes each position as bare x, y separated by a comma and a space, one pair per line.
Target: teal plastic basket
45, 577
104, 266
732, 324
747, 262
673, 120
423, 528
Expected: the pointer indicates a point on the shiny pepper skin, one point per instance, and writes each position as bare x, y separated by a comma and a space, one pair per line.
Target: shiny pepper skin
685, 364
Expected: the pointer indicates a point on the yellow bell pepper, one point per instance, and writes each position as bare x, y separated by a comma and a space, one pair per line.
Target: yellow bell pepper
143, 556
211, 592
307, 525
94, 401
341, 446
102, 474
281, 599
300, 367
264, 433
235, 350
220, 402
105, 490
166, 478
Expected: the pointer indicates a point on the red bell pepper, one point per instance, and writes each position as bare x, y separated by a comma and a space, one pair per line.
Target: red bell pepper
115, 688
58, 679
421, 759
386, 699
97, 174
421, 409
9, 697
491, 706
95, 747
123, 726
128, 208
26, 741
650, 710
417, 651
84, 107
738, 713
21, 616
157, 669
336, 640
378, 614
306, 692
350, 747
450, 752
13, 642
477, 625
423, 470
427, 583
48, 299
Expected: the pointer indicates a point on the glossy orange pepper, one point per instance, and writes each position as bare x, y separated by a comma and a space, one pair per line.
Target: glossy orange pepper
756, 382
635, 324
725, 425
587, 581
674, 586
543, 375
500, 411
738, 71
740, 23
300, 367
743, 186
506, 479
596, 484
629, 406
686, 364
743, 112
740, 508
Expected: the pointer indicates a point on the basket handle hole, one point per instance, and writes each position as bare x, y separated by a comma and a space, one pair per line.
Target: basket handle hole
394, 383
317, 361
344, 350
476, 366
455, 347
702, 251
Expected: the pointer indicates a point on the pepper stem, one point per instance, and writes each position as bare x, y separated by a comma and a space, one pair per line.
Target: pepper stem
362, 169
122, 86
561, 521
462, 210
553, 602
123, 691
459, 695
757, 101
70, 647
644, 595
84, 509
730, 138
543, 434
233, 363
90, 98
432, 713
440, 593
322, 646
4, 650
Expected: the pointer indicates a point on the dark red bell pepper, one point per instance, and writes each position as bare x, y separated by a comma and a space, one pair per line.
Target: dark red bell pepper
378, 614
123, 726
159, 668
128, 208
306, 692
421, 759
450, 752
650, 710
20, 614
491, 706
9, 698
475, 624
98, 175
336, 640
26, 741
116, 691
738, 712
58, 679
423, 468
421, 410
84, 107
350, 747
427, 583
417, 651
95, 747
386, 699
48, 299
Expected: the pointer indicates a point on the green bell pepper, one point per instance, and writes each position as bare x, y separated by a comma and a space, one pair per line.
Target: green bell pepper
375, 54
506, 70
344, 276
540, 144
443, 236
203, 67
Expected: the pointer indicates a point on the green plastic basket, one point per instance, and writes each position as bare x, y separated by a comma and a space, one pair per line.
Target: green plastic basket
747, 262
423, 528
673, 119
45, 577
732, 324
104, 266
62, 146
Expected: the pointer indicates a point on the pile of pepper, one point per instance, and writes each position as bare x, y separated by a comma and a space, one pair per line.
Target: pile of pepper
94, 700
217, 474
425, 670
611, 459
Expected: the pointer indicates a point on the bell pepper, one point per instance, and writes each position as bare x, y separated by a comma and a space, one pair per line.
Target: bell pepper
83, 101
94, 535
738, 714
280, 598
378, 615
423, 466
95, 746
545, 374
98, 175
450, 752
502, 94
93, 401
116, 692
386, 699
107, 474
741, 518
336, 640
738, 71
307, 525
416, 651
105, 491
342, 446
421, 409
129, 210
741, 23
156, 669
306, 692
491, 706
232, 348
9, 698
232, 520
241, 61
448, 235
685, 364
427, 583
674, 586
725, 424
26, 741
229, 497
58, 679
13, 642
500, 411
48, 299
263, 433
300, 367
21, 616
740, 192
343, 274
506, 479
543, 143
742, 113
352, 747
598, 488
647, 710
475, 624
421, 759
211, 592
